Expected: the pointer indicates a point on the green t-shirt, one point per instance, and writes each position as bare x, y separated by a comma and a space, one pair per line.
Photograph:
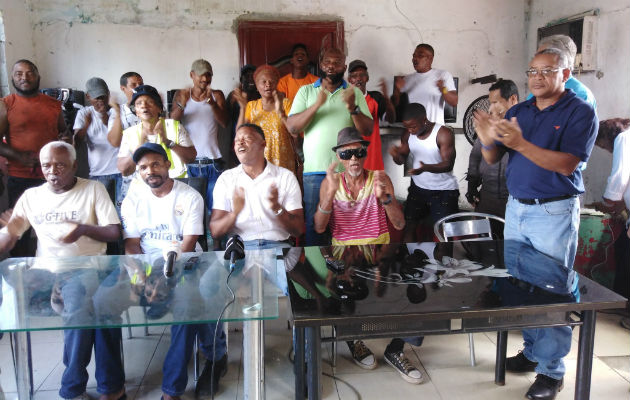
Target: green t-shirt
320, 134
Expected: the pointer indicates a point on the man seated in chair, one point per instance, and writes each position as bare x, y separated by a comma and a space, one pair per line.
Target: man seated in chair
154, 215
354, 196
257, 200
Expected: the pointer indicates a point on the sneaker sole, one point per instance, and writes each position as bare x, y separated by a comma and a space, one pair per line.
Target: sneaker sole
405, 377
365, 366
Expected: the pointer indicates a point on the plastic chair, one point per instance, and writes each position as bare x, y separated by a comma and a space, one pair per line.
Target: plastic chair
466, 226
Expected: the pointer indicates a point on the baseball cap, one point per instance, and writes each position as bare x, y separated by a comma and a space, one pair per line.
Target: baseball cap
96, 87
357, 64
201, 67
146, 90
148, 148
349, 135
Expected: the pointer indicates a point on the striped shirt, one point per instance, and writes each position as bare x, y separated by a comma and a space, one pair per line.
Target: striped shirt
358, 221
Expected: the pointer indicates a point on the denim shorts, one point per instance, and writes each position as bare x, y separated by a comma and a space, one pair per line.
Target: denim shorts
437, 203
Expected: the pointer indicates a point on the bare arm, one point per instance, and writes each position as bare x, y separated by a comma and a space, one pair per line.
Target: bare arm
399, 153
64, 131
106, 233
446, 144
186, 154
180, 99
486, 132
188, 243
221, 221
292, 221
125, 165
362, 122
219, 107
384, 191
114, 135
390, 110
132, 246
326, 196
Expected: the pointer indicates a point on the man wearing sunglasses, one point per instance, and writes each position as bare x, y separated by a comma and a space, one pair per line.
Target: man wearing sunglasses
354, 196
547, 137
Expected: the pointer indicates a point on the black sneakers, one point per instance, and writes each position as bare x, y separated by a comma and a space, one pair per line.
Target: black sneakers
401, 364
520, 363
544, 388
207, 385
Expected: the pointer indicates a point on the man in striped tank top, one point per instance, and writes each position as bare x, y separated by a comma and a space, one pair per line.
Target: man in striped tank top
356, 204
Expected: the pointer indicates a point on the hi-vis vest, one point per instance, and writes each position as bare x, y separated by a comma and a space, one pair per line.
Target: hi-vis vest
171, 127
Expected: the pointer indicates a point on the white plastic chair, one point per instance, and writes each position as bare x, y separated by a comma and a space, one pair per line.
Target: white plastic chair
466, 226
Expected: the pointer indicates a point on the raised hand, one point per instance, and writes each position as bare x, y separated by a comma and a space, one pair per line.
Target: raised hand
241, 97
509, 133
485, 127
399, 82
321, 97
278, 98
417, 171
380, 185
383, 86
238, 200
273, 198
332, 179
349, 97
210, 98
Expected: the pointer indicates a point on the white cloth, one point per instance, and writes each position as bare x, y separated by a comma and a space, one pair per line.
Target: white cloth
427, 151
199, 121
55, 215
159, 220
257, 220
618, 186
421, 88
127, 118
101, 154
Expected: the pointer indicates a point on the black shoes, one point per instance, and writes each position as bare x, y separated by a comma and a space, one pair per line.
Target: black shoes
207, 385
544, 388
519, 363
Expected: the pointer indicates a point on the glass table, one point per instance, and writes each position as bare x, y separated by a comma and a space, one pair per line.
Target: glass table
414, 289
97, 292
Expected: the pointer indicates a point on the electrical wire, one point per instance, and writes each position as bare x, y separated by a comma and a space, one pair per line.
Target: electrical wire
216, 328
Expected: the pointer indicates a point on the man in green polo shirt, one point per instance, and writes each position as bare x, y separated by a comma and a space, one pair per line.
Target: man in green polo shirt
321, 110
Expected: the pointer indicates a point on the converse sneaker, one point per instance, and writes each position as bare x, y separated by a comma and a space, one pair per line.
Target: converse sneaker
404, 367
361, 355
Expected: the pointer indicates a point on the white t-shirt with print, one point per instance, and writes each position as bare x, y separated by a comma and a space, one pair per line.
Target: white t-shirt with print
159, 220
257, 220
421, 88
101, 154
55, 215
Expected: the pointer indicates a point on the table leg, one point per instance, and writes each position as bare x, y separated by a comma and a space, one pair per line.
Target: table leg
499, 366
314, 362
23, 364
585, 356
253, 360
298, 363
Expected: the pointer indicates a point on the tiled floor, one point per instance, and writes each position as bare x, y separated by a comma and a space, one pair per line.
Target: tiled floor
442, 359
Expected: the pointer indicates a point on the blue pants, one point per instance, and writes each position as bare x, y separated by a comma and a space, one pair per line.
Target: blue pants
209, 171
551, 229
312, 183
175, 369
437, 203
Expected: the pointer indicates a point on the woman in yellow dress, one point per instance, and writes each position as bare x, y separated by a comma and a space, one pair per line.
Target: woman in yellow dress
270, 113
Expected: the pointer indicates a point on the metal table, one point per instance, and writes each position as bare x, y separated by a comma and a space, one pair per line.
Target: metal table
32, 300
393, 291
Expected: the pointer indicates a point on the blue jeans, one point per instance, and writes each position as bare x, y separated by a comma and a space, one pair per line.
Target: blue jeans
175, 369
312, 183
77, 292
107, 180
551, 229
209, 171
437, 203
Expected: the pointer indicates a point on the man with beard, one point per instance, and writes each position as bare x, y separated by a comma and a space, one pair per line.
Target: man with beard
433, 189
431, 87
28, 120
154, 215
72, 217
319, 110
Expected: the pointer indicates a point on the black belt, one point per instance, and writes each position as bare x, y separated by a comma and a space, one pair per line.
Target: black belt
543, 201
205, 161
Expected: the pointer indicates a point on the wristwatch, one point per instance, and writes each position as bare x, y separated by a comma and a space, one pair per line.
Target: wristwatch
355, 111
170, 144
389, 200
279, 211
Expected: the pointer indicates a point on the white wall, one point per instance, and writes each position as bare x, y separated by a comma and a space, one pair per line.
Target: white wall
611, 86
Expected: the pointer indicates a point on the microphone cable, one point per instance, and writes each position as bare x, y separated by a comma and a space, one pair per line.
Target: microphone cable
216, 327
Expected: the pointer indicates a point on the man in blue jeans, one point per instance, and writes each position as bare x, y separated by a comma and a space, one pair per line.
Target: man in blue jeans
547, 137
154, 215
72, 217
433, 190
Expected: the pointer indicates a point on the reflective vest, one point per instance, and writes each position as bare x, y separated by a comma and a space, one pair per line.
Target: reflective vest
171, 127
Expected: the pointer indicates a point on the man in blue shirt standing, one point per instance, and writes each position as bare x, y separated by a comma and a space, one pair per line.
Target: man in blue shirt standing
546, 137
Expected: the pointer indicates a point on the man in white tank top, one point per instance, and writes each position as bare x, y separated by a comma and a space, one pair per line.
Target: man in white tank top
201, 110
434, 189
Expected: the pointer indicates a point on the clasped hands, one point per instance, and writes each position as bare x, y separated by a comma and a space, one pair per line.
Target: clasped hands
491, 130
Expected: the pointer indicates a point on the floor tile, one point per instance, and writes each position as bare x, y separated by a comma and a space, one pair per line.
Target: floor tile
621, 364
605, 382
385, 384
448, 351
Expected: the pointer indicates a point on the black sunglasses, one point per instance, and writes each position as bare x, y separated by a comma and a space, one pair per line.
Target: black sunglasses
347, 154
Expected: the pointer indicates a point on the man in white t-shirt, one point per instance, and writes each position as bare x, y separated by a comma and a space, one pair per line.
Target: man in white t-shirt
155, 214
257, 200
168, 133
72, 217
202, 109
91, 125
431, 87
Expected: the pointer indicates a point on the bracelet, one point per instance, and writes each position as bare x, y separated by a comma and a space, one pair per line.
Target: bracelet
444, 90
179, 105
388, 201
483, 146
355, 111
321, 210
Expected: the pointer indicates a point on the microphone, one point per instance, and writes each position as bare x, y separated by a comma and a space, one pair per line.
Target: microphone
234, 250
171, 253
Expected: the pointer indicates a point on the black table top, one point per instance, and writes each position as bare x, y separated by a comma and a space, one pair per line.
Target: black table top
431, 281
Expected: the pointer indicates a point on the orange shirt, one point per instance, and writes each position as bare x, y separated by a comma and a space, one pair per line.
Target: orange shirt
32, 123
374, 159
290, 86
